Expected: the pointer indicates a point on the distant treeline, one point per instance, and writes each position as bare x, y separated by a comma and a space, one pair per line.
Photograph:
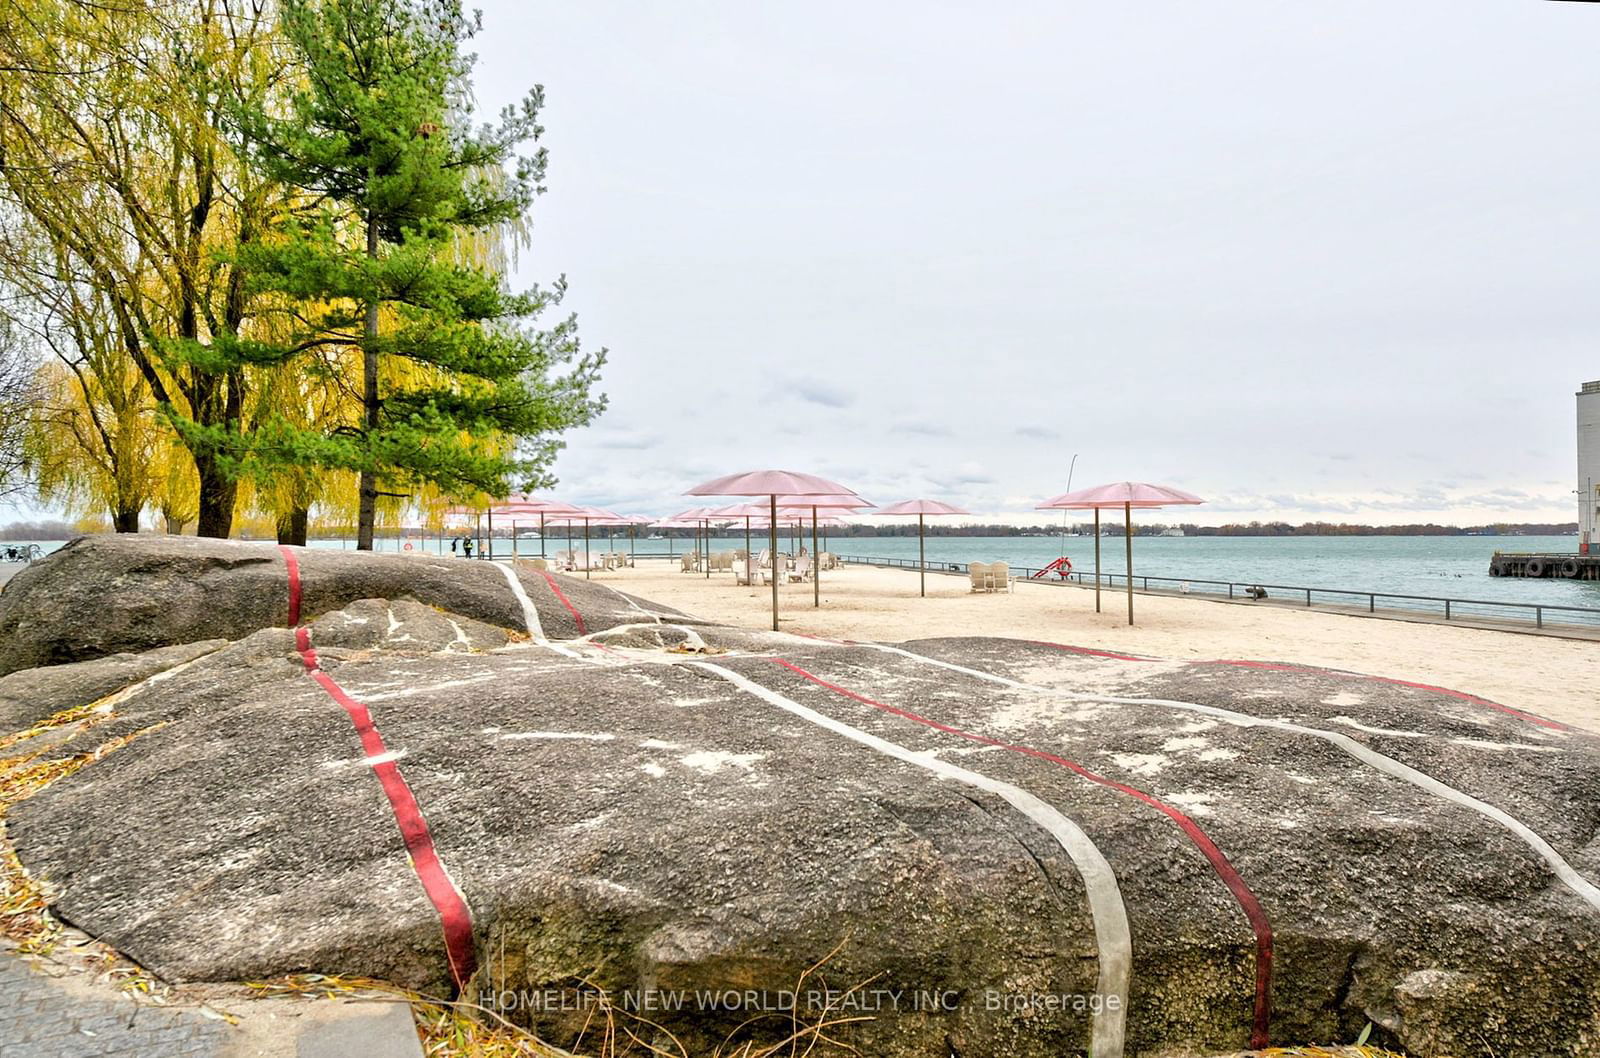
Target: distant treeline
1345, 529
50, 529
1234, 529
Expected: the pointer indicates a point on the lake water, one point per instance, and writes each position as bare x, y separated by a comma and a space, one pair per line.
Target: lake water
1438, 566
1443, 566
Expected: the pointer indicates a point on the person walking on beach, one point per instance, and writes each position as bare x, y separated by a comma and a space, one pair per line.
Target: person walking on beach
454, 543
466, 545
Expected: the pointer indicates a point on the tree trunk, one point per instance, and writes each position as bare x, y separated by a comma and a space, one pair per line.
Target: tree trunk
125, 520
292, 526
174, 525
217, 495
368, 516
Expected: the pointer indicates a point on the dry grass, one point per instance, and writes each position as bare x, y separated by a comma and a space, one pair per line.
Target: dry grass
25, 917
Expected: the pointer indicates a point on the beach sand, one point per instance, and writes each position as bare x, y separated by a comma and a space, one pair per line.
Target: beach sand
1556, 678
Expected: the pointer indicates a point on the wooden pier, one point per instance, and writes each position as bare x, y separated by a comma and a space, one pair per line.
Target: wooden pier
1542, 564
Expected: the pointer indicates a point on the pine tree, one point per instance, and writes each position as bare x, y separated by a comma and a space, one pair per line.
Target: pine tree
457, 387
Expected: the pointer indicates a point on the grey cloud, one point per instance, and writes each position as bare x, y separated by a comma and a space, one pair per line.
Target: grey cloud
921, 429
814, 392
1235, 332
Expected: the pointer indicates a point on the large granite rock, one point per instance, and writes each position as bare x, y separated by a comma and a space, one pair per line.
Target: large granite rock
692, 817
110, 594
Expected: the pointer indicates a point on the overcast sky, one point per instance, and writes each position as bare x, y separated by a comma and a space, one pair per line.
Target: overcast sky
1309, 261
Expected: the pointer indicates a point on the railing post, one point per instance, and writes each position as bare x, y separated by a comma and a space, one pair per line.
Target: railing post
1372, 604
1538, 616
1308, 596
1447, 609
1230, 589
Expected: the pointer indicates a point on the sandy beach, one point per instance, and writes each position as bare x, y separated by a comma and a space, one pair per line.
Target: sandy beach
1546, 675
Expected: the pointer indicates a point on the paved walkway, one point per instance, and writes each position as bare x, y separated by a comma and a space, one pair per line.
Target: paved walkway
47, 1017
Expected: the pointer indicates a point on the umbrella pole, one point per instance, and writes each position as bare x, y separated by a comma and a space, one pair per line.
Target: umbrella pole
816, 566
773, 531
569, 540
477, 531
708, 549
541, 534
749, 559
1097, 560
1127, 533
491, 534
586, 562
922, 554
514, 541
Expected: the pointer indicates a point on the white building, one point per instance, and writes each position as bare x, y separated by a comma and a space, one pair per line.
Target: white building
1589, 467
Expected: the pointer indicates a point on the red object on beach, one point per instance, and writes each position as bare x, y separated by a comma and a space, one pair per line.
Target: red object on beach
1061, 567
921, 508
1124, 494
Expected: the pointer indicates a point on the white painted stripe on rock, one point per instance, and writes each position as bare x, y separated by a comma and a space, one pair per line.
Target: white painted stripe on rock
1112, 935
1585, 889
530, 612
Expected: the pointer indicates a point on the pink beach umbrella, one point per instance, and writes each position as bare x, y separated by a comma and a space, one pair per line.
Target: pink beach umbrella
700, 518
526, 505
804, 505
1124, 494
747, 511
635, 522
673, 523
772, 484
921, 508
588, 516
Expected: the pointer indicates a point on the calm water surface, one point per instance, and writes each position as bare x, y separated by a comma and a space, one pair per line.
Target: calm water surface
1446, 566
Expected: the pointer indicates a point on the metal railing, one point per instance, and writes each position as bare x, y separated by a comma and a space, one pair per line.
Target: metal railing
1344, 600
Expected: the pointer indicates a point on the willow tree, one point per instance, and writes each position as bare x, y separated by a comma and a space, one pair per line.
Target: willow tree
459, 389
93, 432
19, 398
111, 149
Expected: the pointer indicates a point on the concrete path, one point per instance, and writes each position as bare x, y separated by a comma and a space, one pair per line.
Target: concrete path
71, 1016
50, 1017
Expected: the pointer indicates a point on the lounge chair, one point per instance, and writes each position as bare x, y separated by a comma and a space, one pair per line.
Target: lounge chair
802, 567
1000, 578
686, 563
979, 572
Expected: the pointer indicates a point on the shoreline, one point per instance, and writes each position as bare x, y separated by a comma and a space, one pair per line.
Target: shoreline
1547, 675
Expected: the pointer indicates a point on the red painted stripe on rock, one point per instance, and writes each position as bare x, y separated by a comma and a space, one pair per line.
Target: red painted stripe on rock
293, 564
1259, 926
454, 915
1091, 652
571, 609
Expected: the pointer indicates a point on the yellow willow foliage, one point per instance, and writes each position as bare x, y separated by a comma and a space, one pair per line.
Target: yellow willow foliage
94, 445
118, 200
120, 179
